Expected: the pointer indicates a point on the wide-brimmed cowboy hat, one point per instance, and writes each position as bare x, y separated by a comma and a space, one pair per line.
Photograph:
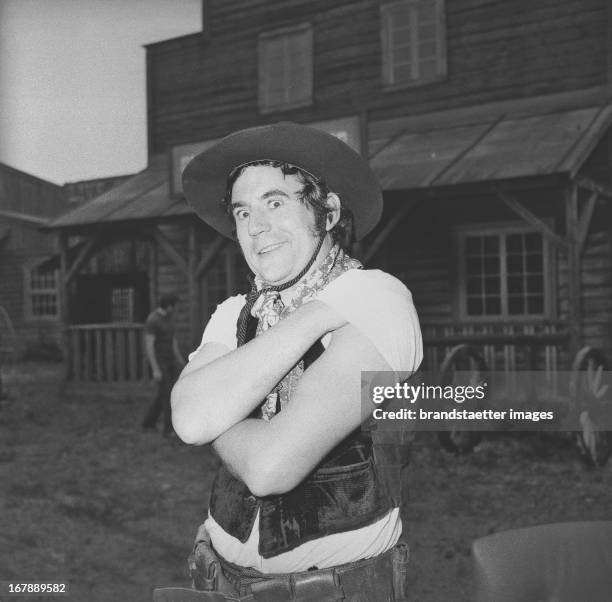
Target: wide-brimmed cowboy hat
319, 153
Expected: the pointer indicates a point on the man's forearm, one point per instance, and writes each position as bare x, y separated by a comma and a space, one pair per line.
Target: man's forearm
209, 400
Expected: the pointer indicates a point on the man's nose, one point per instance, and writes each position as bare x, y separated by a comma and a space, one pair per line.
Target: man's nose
258, 223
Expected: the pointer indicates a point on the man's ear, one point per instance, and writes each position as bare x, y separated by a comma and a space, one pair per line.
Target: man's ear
333, 210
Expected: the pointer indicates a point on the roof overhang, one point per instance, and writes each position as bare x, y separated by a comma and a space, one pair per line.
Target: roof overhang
517, 140
504, 143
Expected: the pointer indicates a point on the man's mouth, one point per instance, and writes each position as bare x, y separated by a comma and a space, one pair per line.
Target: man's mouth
269, 248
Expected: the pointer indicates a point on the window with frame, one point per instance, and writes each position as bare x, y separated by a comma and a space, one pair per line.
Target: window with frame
122, 304
504, 274
285, 68
41, 293
413, 41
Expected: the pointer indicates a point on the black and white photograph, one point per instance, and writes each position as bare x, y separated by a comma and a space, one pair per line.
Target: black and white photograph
306, 300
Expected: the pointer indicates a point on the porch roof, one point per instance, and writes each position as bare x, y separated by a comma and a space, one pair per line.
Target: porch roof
504, 141
512, 139
143, 196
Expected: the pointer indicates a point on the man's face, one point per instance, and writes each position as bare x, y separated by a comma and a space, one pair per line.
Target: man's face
276, 231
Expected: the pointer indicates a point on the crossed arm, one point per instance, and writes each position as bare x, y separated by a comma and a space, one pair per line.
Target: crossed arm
219, 389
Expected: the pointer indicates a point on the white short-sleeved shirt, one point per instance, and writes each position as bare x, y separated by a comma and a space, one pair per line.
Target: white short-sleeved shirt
381, 307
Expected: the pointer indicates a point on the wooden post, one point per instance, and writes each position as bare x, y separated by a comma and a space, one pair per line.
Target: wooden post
62, 291
574, 313
192, 286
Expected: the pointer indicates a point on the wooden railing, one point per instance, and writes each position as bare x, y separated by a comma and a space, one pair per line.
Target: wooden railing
505, 347
106, 353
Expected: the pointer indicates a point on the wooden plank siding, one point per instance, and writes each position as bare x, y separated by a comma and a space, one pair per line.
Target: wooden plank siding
24, 243
421, 253
496, 50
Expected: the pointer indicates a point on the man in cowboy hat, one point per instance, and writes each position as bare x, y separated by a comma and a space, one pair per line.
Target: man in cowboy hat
297, 510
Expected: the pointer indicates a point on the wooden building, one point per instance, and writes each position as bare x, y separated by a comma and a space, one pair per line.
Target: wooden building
29, 282
488, 124
28, 295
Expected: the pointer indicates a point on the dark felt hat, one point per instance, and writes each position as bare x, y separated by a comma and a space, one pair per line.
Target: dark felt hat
319, 153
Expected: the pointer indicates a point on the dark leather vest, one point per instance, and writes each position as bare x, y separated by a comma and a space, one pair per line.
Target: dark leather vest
343, 493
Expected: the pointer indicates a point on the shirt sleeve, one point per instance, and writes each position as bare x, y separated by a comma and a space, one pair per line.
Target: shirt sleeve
221, 327
381, 307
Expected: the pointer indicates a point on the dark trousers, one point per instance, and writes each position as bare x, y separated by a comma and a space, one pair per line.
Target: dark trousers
161, 403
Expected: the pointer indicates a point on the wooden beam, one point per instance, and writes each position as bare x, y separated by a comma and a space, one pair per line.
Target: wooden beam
585, 222
152, 270
573, 269
169, 249
592, 186
211, 253
384, 234
532, 220
82, 257
62, 293
192, 285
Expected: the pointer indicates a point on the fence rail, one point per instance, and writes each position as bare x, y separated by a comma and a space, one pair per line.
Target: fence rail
505, 347
107, 353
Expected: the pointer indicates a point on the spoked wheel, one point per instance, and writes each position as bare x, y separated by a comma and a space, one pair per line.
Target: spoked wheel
591, 399
463, 365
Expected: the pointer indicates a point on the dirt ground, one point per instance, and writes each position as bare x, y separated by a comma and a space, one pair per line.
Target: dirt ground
89, 499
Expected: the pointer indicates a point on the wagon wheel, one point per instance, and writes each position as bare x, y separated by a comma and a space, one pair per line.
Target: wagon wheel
589, 398
467, 360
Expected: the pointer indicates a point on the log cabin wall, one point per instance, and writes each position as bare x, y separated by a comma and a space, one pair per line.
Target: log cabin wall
22, 193
422, 253
203, 86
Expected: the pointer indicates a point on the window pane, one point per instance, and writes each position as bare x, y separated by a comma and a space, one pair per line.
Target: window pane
426, 10
514, 243
403, 54
402, 73
516, 305
516, 284
491, 245
473, 265
492, 286
535, 263
474, 306
520, 277
285, 68
491, 265
535, 284
427, 32
514, 264
535, 304
474, 286
493, 305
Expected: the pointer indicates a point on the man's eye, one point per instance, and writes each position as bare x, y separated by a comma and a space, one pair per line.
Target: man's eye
274, 203
241, 214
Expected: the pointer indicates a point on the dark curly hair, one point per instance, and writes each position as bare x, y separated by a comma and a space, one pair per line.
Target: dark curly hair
314, 193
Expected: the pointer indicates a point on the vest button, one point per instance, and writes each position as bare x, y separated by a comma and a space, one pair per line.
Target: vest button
251, 500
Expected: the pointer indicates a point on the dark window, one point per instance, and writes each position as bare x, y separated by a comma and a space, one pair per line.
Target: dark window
285, 68
42, 293
413, 41
503, 274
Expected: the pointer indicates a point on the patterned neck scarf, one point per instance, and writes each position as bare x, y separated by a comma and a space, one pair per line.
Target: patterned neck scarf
269, 308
